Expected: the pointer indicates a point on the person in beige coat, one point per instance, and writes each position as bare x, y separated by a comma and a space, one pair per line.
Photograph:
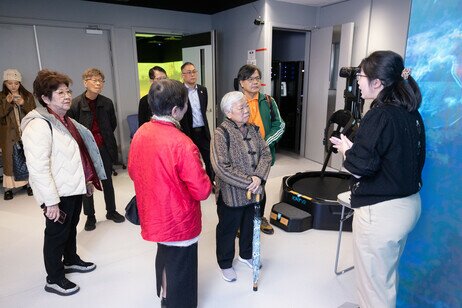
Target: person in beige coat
15, 103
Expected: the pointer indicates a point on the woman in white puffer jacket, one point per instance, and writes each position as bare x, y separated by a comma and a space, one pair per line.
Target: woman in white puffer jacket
64, 164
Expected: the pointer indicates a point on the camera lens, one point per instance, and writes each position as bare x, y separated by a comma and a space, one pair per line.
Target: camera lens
349, 72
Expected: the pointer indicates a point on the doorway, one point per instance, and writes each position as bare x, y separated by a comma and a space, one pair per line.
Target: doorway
287, 78
170, 52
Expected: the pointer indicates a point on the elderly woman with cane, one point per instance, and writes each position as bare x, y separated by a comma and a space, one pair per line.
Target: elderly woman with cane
241, 160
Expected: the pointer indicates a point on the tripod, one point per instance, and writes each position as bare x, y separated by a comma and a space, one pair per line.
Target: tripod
347, 119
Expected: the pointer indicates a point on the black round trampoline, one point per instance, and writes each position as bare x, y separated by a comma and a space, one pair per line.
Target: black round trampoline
322, 188
317, 195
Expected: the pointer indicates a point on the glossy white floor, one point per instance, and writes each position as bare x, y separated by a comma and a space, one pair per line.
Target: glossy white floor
298, 268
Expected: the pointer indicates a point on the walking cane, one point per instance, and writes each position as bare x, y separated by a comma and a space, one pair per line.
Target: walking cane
256, 240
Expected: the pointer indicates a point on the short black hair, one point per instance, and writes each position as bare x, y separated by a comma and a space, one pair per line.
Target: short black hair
246, 71
186, 63
156, 68
165, 94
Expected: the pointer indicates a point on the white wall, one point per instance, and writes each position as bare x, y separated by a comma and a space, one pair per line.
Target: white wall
379, 24
123, 22
236, 34
389, 25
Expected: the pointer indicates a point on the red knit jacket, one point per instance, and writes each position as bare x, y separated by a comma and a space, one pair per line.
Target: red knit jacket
170, 182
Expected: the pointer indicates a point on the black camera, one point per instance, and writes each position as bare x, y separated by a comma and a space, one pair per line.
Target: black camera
349, 72
258, 21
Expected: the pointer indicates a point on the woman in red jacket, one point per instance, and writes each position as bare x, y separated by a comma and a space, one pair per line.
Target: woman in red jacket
170, 182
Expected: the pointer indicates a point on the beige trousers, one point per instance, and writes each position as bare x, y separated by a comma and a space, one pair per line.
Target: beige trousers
379, 236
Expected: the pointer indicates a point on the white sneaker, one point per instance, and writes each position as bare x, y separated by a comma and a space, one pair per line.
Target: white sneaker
248, 262
228, 274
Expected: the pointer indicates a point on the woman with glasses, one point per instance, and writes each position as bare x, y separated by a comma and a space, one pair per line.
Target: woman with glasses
64, 164
386, 160
264, 113
96, 112
15, 103
241, 160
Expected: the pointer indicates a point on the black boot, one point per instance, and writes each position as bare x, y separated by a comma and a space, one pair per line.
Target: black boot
8, 195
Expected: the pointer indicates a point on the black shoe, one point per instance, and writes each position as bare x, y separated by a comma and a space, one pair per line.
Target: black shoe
63, 287
8, 195
115, 217
163, 303
79, 267
29, 191
91, 223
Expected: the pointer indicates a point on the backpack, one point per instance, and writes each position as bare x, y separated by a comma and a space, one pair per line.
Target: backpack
270, 105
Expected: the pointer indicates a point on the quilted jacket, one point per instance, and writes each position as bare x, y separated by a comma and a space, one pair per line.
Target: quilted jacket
53, 157
170, 182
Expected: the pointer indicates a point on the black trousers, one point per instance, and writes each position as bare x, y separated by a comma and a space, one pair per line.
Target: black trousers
199, 137
180, 264
108, 188
231, 219
61, 239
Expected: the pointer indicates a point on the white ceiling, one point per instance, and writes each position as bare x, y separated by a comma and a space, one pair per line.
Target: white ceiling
313, 2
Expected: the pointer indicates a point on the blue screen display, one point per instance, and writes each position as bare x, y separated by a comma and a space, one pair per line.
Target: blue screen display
431, 266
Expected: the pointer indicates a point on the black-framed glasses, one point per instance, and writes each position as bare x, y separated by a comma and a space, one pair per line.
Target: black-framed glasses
252, 79
95, 81
358, 76
190, 72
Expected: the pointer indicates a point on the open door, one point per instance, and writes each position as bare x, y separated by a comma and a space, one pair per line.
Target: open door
199, 49
331, 47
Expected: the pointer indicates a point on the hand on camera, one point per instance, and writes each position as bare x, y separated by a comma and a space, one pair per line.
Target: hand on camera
342, 144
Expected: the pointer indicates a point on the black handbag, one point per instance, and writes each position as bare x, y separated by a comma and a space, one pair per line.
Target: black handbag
20, 171
131, 212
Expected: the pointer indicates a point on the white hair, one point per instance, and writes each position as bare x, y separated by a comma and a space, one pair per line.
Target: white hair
228, 101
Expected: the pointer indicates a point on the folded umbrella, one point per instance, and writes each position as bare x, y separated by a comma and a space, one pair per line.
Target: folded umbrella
256, 241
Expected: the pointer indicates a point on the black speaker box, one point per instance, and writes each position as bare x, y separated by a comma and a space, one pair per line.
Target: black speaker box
289, 218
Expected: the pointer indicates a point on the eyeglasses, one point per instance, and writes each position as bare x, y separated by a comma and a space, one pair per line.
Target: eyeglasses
190, 72
252, 79
358, 76
100, 81
160, 78
63, 93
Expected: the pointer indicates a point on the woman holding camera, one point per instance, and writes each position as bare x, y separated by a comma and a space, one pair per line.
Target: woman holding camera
15, 103
386, 160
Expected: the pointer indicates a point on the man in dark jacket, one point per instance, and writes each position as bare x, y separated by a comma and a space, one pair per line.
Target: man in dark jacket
144, 111
194, 123
96, 112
